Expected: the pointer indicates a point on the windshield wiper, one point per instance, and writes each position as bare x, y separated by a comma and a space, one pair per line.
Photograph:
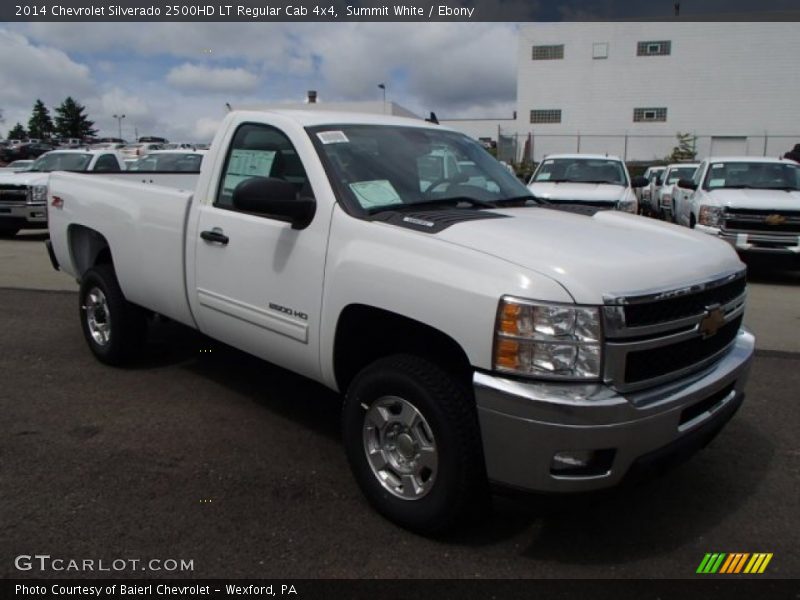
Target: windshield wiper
433, 203
606, 181
525, 198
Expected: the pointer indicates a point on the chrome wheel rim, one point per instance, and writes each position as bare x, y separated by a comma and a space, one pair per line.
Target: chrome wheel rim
400, 448
98, 317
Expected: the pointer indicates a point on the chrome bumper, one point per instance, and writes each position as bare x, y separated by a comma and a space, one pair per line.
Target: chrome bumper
524, 424
757, 242
25, 215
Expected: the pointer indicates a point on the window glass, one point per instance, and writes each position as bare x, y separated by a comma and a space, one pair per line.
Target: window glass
260, 151
107, 162
581, 170
753, 175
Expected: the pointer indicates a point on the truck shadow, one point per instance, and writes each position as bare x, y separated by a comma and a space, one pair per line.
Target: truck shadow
775, 271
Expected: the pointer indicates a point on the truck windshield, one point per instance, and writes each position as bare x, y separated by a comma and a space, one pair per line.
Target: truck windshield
580, 170
62, 161
678, 173
755, 175
380, 167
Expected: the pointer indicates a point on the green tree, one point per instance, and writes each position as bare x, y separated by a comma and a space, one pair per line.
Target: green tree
71, 120
17, 132
685, 150
40, 125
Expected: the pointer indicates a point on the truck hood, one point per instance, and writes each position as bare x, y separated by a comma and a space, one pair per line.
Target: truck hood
24, 178
609, 253
586, 192
758, 199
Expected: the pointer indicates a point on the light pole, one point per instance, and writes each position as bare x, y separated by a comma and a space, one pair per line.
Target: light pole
119, 124
383, 87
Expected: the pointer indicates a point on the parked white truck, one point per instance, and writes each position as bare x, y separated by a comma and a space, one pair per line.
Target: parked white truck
476, 335
23, 194
596, 181
752, 203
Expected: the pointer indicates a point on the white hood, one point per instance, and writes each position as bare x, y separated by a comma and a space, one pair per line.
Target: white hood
586, 192
24, 178
757, 199
609, 253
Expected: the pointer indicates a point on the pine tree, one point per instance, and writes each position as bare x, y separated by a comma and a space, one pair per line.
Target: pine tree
40, 125
72, 122
17, 132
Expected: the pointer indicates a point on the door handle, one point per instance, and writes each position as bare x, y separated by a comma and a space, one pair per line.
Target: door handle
215, 236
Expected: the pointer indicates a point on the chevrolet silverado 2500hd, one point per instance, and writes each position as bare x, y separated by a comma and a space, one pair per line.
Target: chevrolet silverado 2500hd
752, 203
478, 334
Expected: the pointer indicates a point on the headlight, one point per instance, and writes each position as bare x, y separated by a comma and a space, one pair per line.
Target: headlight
547, 340
627, 203
37, 194
710, 216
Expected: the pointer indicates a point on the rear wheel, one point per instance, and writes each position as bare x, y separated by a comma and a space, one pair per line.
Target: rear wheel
113, 327
412, 439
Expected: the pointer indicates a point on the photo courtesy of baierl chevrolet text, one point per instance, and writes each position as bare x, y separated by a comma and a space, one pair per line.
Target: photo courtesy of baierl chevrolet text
426, 299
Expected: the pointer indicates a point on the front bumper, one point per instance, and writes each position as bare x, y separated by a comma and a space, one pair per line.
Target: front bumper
525, 424
757, 242
24, 216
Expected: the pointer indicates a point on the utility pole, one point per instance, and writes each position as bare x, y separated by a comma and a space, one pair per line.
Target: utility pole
119, 124
383, 87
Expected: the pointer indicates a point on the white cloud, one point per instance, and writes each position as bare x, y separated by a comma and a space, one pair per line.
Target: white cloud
200, 78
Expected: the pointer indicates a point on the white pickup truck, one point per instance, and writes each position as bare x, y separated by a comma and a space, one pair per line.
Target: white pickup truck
23, 194
752, 203
595, 181
477, 335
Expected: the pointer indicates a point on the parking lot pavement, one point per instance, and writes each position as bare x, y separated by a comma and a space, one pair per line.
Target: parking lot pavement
24, 264
202, 453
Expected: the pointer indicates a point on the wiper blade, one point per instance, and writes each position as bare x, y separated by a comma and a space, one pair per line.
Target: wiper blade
454, 201
605, 181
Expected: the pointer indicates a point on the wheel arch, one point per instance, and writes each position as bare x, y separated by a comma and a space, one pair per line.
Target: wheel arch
366, 333
87, 248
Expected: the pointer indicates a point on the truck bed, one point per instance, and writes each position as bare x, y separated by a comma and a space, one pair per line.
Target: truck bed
144, 225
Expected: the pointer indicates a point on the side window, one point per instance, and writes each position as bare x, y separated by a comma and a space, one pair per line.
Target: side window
107, 162
260, 151
698, 174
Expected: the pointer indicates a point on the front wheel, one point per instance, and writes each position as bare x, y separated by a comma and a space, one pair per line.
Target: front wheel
412, 439
113, 327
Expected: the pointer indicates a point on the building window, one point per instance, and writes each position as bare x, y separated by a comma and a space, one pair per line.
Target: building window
649, 114
548, 115
548, 52
654, 48
600, 50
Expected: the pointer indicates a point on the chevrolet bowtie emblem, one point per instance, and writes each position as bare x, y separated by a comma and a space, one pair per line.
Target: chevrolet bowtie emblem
775, 220
712, 321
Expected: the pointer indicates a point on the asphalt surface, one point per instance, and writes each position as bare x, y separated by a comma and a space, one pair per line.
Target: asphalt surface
201, 453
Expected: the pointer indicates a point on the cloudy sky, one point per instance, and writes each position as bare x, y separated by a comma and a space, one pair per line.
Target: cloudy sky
174, 79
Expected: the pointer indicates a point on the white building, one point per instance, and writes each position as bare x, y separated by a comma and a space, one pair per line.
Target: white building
628, 88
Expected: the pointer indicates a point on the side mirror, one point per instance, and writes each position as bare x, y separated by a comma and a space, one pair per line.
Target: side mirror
275, 198
659, 181
687, 184
639, 182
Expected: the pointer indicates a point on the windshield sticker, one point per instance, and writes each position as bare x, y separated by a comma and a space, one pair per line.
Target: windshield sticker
543, 176
244, 164
375, 193
549, 162
332, 137
716, 183
718, 166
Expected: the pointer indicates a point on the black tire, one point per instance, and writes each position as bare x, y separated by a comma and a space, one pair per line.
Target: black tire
8, 232
692, 222
126, 322
458, 486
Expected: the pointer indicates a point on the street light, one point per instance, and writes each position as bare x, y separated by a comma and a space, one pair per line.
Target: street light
119, 123
383, 87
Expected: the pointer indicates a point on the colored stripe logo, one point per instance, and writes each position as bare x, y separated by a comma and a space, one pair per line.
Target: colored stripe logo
734, 563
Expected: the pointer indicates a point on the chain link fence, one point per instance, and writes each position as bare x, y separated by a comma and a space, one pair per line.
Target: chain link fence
529, 148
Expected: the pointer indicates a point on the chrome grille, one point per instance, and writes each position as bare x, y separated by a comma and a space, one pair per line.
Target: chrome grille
655, 337
741, 220
13, 194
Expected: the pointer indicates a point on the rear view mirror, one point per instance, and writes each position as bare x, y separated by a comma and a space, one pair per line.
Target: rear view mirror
687, 184
274, 198
639, 182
